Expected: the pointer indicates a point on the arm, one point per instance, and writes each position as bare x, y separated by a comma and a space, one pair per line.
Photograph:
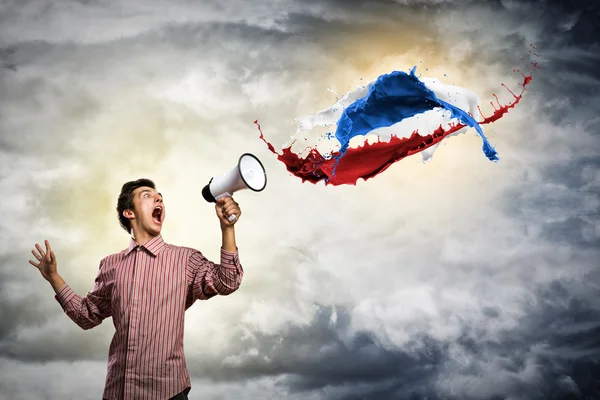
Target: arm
209, 279
86, 312
224, 208
228, 239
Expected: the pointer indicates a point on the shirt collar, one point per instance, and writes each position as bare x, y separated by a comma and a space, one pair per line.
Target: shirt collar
154, 246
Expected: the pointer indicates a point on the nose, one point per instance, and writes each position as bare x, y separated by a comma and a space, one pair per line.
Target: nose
158, 198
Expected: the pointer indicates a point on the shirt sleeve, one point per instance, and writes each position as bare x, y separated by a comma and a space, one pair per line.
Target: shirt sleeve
209, 279
88, 311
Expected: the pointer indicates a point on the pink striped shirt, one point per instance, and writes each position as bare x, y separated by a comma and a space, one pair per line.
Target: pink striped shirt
146, 290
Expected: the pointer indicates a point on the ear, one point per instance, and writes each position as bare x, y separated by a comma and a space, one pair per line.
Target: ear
128, 214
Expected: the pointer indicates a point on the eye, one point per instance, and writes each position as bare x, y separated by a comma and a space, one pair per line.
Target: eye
146, 195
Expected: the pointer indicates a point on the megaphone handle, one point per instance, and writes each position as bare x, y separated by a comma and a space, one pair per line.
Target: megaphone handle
226, 194
232, 217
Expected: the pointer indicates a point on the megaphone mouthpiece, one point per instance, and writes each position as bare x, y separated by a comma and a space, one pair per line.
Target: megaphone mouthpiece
207, 194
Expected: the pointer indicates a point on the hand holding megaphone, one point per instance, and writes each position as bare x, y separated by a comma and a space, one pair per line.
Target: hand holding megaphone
249, 173
232, 217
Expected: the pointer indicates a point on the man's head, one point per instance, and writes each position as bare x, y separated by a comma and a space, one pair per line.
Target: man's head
140, 207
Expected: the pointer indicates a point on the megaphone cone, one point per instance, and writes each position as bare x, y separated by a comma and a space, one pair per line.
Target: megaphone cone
249, 173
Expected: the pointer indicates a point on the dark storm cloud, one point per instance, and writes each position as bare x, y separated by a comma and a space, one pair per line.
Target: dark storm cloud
58, 343
33, 327
566, 327
566, 206
17, 312
552, 353
572, 231
569, 45
324, 355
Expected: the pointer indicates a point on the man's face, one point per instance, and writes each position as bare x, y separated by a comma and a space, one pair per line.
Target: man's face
148, 209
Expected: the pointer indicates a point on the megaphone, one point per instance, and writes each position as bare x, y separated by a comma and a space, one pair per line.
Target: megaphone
249, 173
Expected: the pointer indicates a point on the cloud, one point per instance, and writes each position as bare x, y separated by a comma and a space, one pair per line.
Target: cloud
89, 23
459, 278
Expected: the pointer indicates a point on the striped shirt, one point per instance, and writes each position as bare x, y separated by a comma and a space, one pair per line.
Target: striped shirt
146, 290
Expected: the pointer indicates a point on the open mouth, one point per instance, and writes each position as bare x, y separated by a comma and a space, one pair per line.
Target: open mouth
157, 215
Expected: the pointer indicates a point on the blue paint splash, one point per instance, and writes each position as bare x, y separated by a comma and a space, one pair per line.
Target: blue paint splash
392, 98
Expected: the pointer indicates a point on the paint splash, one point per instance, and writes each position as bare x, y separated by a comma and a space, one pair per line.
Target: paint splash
392, 98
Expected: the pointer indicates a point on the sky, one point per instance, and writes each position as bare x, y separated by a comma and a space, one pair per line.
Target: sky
458, 278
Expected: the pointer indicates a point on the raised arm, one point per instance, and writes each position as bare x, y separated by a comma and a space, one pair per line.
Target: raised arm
208, 279
88, 311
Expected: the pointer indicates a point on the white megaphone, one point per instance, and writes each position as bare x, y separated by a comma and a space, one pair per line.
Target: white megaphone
249, 173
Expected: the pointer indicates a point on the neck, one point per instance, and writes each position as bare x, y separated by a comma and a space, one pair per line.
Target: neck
142, 237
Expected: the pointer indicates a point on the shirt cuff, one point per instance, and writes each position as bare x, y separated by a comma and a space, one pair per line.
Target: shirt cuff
64, 295
229, 259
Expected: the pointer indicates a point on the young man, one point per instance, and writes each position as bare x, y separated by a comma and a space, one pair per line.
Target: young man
146, 289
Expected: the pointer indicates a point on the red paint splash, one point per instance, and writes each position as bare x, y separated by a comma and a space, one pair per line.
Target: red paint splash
371, 159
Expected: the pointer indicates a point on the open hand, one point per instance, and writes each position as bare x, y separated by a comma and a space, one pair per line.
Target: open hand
226, 207
46, 261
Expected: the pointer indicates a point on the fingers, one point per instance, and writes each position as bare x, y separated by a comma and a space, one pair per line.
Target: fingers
37, 246
227, 205
49, 252
227, 208
36, 255
42, 255
230, 208
227, 214
225, 201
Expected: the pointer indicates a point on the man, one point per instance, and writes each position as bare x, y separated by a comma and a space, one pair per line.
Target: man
146, 289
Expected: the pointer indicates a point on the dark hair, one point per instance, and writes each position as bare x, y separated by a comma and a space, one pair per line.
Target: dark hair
125, 200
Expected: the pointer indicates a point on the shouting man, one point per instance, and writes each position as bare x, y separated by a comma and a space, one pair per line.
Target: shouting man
146, 289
